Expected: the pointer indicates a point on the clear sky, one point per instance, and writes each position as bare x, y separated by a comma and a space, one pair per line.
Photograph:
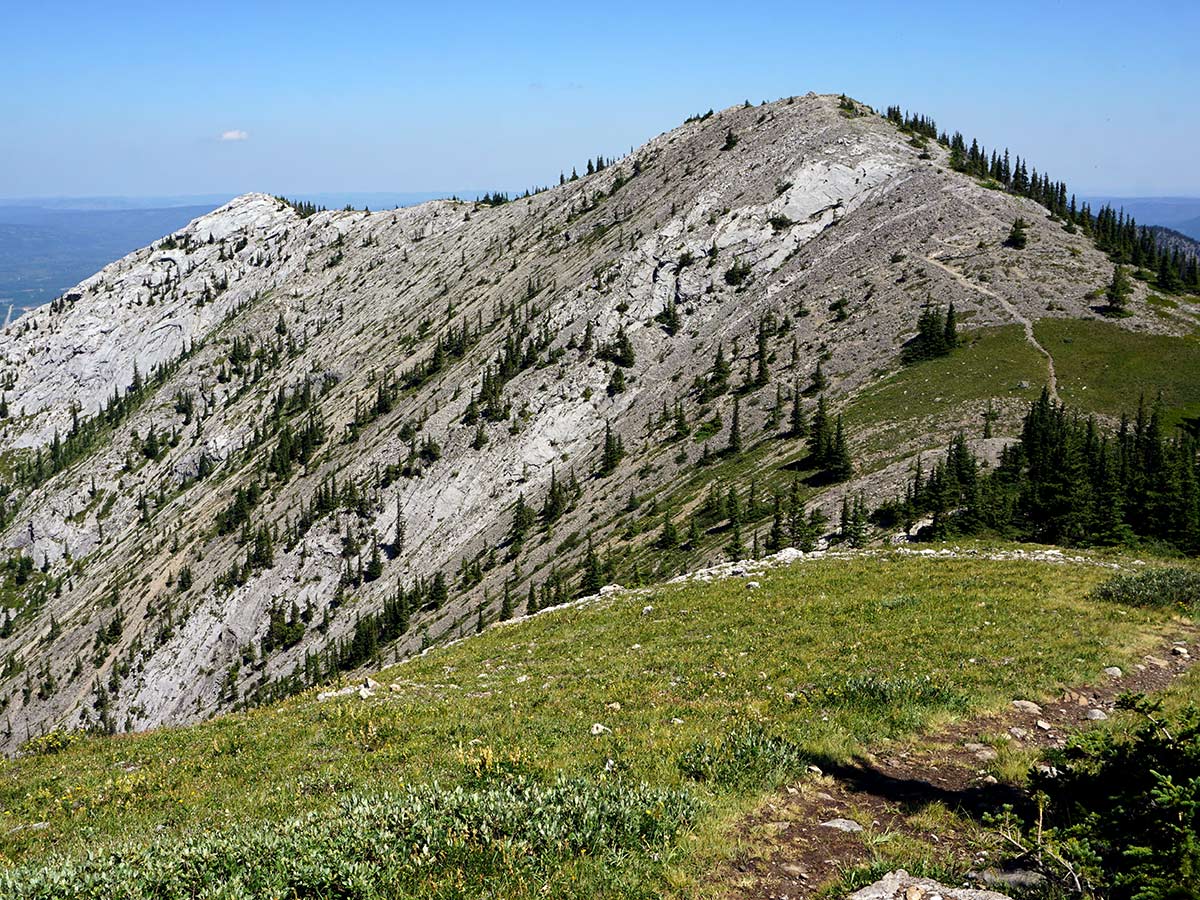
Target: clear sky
290, 97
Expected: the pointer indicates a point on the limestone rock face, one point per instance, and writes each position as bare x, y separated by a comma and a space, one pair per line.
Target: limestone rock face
380, 328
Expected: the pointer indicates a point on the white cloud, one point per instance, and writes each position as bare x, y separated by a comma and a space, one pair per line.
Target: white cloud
235, 135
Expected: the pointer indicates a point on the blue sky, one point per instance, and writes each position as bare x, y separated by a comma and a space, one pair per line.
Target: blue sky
133, 99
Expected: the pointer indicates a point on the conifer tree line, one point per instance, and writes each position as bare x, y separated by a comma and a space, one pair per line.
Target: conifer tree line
303, 208
1068, 480
1113, 232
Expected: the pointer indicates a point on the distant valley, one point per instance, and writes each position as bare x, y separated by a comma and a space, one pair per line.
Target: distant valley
48, 244
44, 251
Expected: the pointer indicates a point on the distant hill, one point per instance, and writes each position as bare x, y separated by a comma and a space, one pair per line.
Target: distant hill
44, 251
1179, 213
1169, 237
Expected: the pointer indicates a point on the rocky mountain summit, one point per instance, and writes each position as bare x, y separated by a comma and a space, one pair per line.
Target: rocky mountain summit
231, 456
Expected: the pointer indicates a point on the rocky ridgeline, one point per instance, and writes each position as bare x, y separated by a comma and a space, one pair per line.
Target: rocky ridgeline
794, 212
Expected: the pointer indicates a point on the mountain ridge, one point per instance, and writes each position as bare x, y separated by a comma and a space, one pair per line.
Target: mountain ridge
450, 362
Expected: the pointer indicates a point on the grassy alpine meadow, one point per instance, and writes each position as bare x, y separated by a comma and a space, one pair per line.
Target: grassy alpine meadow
1103, 368
593, 750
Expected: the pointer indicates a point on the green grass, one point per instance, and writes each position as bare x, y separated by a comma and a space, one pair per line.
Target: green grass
825, 659
1103, 368
991, 363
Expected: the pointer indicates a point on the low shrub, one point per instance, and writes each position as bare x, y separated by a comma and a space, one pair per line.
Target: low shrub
1169, 586
747, 757
51, 742
871, 692
1119, 814
426, 841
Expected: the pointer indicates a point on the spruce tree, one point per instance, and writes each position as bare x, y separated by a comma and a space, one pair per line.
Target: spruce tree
775, 537
1118, 291
668, 538
523, 519
480, 440
616, 383
589, 583
735, 549
818, 381
438, 591
1017, 236
398, 538
718, 379
763, 372
839, 465
989, 416
950, 330
612, 453
374, 567
797, 424
735, 429
819, 438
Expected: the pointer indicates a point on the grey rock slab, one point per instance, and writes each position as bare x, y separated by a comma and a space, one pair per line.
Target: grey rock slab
899, 885
847, 825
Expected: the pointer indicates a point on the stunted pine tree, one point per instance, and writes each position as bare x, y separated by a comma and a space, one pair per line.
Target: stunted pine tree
1119, 289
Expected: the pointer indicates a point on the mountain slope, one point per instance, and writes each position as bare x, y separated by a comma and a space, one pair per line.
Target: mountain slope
290, 389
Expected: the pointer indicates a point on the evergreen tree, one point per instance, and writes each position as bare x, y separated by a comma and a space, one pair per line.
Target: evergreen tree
937, 335
374, 567
1119, 289
1017, 235
989, 416
681, 427
857, 530
839, 465
590, 582
775, 537
950, 330
616, 383
438, 592
613, 451
718, 378
797, 423
398, 538
735, 549
669, 317
668, 538
762, 372
735, 429
818, 382
480, 440
820, 439
523, 519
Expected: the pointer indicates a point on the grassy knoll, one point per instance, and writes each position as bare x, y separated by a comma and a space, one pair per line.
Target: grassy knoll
481, 775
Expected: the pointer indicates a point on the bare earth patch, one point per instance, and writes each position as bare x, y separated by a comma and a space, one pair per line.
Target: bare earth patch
914, 794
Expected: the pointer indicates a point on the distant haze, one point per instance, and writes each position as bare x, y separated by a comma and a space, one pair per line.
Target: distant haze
1180, 213
50, 244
